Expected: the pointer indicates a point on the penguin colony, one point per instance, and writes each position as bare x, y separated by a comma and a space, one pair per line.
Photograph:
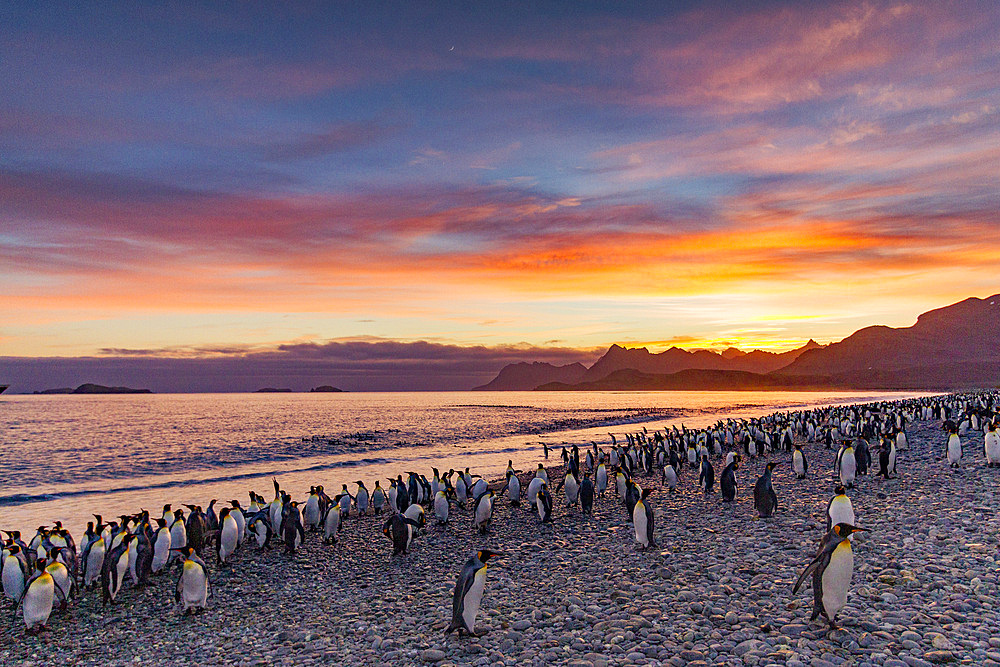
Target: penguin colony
51, 569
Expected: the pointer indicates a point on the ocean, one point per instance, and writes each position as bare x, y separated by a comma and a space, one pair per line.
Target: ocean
68, 457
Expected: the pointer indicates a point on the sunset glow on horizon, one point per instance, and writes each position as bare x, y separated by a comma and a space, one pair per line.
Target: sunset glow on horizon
188, 180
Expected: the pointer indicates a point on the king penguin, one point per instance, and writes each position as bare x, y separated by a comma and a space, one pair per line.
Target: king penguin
229, 532
36, 601
483, 511
400, 530
954, 449
706, 478
642, 520
831, 572
799, 463
193, 586
765, 500
992, 446
728, 480
468, 593
848, 467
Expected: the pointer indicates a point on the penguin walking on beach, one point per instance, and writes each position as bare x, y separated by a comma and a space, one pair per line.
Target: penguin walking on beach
14, 571
512, 486
544, 503
587, 494
706, 478
991, 443
442, 506
728, 480
670, 477
378, 498
831, 571
161, 547
193, 585
65, 584
601, 479
331, 524
468, 594
228, 538
484, 511
642, 521
400, 529
113, 572
311, 511
799, 463
765, 500
292, 532
37, 599
362, 498
887, 458
954, 452
848, 466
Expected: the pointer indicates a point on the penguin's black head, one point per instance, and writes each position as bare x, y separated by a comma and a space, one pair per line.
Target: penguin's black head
771, 465
843, 530
840, 490
160, 523
485, 554
223, 513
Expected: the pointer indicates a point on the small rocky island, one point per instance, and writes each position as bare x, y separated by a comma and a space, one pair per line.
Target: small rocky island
90, 388
272, 390
325, 388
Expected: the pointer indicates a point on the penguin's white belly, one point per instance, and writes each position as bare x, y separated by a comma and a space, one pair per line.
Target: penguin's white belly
473, 599
95, 560
533, 488
798, 463
311, 513
441, 508
331, 526
13, 578
133, 556
60, 577
195, 586
837, 579
37, 603
848, 469
992, 447
639, 521
178, 535
540, 506
901, 440
729, 458
230, 534
161, 550
671, 475
892, 463
483, 511
514, 489
602, 480
954, 449
842, 511
572, 491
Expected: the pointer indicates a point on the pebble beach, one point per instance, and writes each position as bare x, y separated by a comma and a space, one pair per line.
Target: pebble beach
717, 590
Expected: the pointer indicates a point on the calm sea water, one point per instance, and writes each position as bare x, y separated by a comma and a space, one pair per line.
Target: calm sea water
66, 457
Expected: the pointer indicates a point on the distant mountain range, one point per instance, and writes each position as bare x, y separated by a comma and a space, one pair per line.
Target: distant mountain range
957, 346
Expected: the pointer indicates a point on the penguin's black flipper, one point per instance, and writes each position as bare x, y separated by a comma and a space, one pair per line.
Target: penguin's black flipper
812, 567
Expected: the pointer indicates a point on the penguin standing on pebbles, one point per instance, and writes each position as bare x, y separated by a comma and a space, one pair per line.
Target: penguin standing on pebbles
831, 572
992, 446
706, 479
400, 529
728, 480
292, 533
587, 494
36, 601
642, 520
799, 463
468, 593
544, 504
848, 466
193, 586
954, 448
887, 458
765, 500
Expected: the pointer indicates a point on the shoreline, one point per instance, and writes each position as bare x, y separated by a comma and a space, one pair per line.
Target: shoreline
45, 504
576, 592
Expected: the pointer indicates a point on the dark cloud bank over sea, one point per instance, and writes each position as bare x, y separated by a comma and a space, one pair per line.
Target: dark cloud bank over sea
348, 365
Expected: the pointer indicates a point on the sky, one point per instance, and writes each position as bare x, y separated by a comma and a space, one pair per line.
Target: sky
186, 180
